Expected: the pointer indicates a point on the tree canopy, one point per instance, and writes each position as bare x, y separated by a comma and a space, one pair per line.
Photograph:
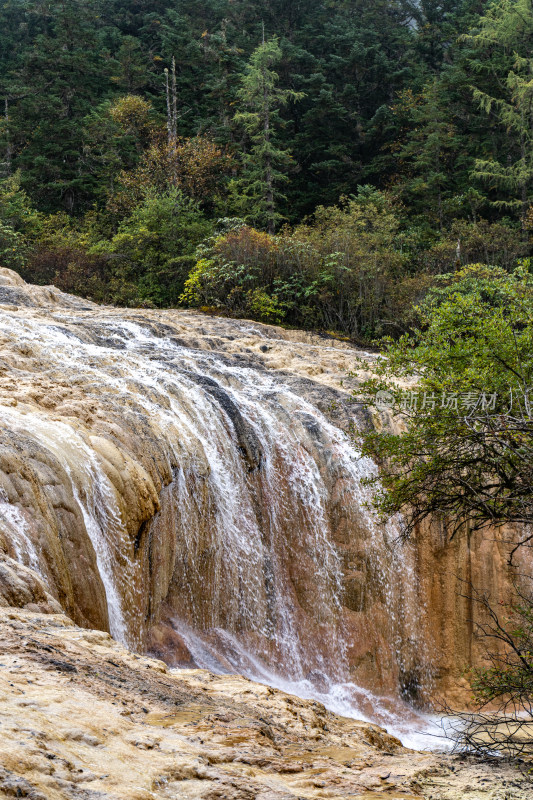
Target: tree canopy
461, 386
404, 126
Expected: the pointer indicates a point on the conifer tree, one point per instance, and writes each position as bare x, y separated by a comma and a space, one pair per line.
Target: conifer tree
431, 151
504, 37
58, 82
264, 164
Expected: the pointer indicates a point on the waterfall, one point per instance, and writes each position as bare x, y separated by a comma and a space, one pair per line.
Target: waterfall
262, 509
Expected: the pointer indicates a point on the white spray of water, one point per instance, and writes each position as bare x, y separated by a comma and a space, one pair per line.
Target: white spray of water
19, 537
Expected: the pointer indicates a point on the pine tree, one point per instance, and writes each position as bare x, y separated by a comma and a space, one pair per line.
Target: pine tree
352, 59
438, 24
430, 152
132, 73
223, 65
266, 160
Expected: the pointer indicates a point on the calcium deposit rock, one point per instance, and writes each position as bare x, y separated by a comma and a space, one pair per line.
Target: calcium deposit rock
189, 484
84, 719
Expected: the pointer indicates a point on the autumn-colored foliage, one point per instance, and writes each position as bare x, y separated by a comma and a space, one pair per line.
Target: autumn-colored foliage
197, 166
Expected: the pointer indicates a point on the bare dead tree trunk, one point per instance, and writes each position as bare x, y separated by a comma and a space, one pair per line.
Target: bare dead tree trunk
172, 104
502, 725
9, 146
172, 118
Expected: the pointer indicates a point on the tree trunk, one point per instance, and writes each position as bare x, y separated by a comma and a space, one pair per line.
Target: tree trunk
9, 147
524, 186
172, 105
172, 119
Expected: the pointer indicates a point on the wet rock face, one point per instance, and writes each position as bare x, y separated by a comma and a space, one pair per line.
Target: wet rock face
42, 526
20, 587
187, 483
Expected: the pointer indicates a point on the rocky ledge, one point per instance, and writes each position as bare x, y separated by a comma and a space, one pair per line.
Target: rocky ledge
84, 718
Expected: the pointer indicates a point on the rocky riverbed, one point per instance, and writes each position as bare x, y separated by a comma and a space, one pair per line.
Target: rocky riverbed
84, 719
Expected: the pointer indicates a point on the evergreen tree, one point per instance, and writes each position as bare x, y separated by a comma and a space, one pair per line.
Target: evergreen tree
431, 149
62, 75
223, 64
132, 73
264, 163
439, 23
505, 38
385, 97
439, 130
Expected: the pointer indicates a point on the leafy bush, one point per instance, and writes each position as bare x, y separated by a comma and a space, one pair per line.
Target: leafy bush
154, 247
472, 243
12, 248
345, 271
466, 452
16, 209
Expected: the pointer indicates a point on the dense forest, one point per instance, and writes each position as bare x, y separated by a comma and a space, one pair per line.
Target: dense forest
315, 164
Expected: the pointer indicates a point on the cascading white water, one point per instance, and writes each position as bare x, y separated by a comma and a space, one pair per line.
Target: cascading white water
23, 547
92, 493
260, 478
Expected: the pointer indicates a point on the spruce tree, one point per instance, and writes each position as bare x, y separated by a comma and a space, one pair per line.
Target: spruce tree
504, 39
431, 152
60, 79
266, 162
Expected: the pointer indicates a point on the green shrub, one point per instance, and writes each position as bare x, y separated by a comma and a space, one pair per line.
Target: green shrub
154, 247
13, 248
